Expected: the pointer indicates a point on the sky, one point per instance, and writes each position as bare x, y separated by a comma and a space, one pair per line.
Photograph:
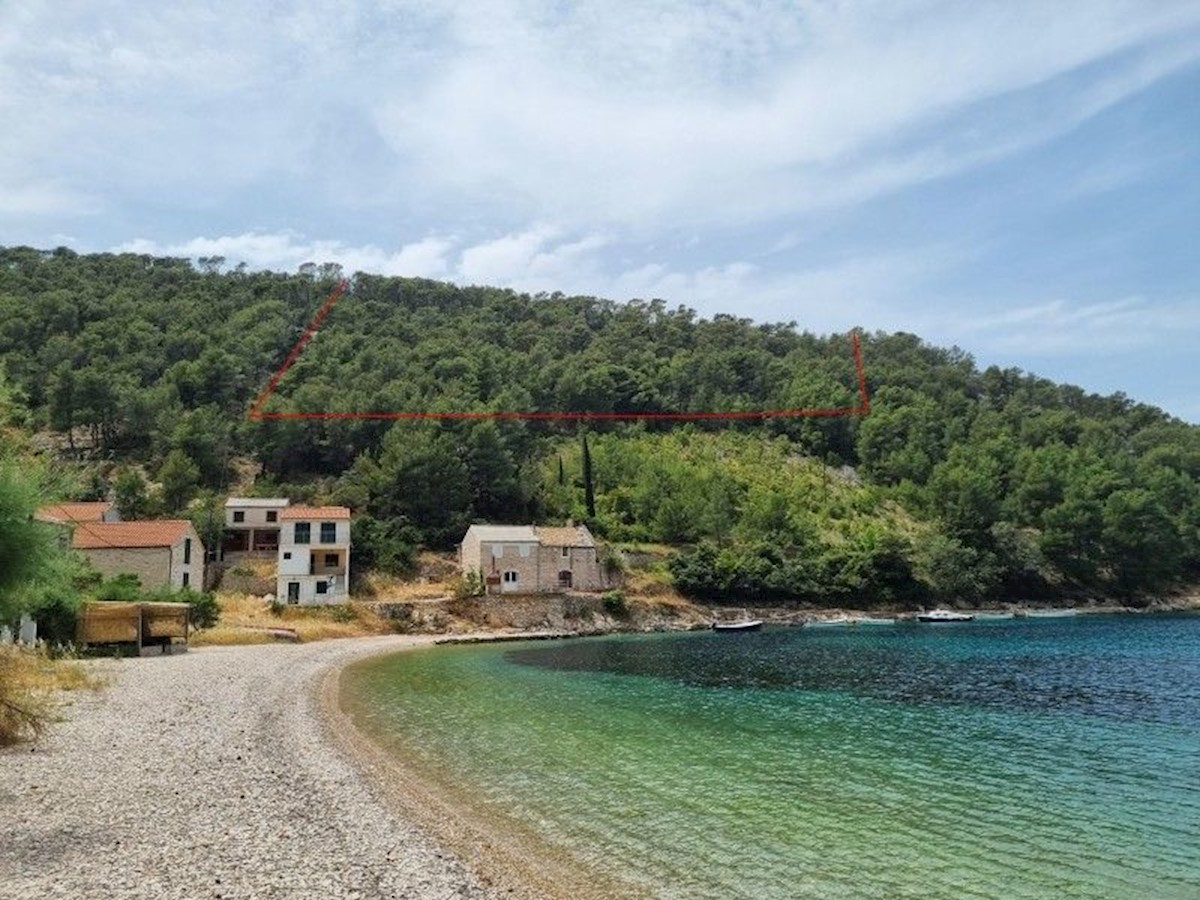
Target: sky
1019, 179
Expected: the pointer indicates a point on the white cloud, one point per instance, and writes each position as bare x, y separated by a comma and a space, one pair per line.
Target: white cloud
1063, 328
286, 251
601, 114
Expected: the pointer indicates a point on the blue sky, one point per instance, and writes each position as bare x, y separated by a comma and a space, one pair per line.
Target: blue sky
1021, 179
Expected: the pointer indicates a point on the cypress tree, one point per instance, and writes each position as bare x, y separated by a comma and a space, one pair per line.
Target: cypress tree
589, 487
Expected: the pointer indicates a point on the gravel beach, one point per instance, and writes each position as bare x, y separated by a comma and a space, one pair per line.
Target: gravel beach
212, 774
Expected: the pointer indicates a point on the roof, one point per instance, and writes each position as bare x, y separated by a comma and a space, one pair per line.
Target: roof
102, 535
513, 534
316, 512
70, 513
577, 536
257, 502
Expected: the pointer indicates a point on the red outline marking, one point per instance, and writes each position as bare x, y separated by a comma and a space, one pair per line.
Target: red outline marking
257, 414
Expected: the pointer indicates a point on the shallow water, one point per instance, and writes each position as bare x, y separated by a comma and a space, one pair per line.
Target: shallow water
1051, 758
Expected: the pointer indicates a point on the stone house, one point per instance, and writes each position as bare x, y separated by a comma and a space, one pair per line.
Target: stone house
314, 555
525, 559
162, 553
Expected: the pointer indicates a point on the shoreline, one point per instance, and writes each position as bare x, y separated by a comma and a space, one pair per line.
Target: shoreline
501, 851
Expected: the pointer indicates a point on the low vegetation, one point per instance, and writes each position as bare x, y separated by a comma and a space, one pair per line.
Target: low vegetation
30, 686
245, 619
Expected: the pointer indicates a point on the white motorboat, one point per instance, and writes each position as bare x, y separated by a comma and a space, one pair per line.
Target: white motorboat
944, 615
749, 625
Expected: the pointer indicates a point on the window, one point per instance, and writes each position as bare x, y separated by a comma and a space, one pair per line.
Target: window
566, 551
187, 551
498, 551
322, 587
332, 560
303, 533
287, 554
186, 579
329, 532
239, 516
511, 577
272, 515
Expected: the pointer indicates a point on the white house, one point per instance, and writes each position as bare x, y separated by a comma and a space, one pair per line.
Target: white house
252, 526
314, 554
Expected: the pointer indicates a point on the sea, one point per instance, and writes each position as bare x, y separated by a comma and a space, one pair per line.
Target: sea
1020, 758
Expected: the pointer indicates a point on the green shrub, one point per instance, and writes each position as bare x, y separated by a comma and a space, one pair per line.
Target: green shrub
124, 587
468, 585
615, 604
205, 611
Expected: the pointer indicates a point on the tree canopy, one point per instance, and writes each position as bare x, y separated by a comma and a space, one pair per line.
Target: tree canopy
970, 483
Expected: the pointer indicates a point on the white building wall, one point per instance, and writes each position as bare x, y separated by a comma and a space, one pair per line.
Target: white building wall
295, 559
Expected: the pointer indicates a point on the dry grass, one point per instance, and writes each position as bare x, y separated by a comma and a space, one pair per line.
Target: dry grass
387, 587
246, 619
29, 683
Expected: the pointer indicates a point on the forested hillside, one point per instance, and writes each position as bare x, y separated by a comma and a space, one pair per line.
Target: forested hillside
962, 483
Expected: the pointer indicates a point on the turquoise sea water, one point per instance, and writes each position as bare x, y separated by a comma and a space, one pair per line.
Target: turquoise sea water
1050, 758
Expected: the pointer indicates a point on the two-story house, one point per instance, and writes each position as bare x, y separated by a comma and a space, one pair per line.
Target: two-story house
314, 554
252, 526
523, 559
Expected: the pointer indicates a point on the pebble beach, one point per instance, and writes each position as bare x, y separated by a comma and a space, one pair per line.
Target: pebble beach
213, 774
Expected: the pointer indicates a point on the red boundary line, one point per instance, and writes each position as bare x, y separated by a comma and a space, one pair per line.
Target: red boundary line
256, 412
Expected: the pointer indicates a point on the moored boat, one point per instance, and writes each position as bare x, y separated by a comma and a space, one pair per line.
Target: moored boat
747, 625
944, 615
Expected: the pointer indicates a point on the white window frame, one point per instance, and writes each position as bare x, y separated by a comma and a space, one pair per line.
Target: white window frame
516, 576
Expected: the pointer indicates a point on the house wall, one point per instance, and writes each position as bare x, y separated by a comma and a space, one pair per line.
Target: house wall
254, 516
304, 564
338, 590
537, 567
521, 557
152, 565
155, 567
582, 562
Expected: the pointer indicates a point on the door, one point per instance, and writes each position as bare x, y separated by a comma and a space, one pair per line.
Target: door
510, 582
293, 592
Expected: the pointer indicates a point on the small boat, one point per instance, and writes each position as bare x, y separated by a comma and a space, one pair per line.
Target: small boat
944, 615
748, 625
1050, 613
835, 620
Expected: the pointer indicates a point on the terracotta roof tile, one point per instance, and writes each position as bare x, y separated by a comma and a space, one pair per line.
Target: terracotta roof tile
315, 512
69, 513
158, 533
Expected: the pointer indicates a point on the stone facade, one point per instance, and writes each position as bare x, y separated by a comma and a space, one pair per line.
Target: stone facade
527, 560
155, 567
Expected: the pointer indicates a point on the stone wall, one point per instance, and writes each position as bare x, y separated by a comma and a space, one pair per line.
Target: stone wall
150, 564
